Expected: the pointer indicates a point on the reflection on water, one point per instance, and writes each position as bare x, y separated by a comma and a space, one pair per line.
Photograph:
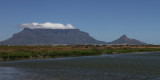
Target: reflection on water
138, 66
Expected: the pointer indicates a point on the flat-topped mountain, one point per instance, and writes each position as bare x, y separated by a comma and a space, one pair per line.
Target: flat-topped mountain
50, 37
125, 40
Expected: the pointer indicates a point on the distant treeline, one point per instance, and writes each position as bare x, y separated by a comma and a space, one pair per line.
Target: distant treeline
38, 52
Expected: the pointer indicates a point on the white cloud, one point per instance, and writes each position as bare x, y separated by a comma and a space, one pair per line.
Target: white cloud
47, 25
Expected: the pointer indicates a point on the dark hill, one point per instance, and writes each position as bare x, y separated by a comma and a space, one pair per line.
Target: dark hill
125, 40
50, 37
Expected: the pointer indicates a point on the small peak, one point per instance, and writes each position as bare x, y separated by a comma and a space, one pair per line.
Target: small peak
124, 36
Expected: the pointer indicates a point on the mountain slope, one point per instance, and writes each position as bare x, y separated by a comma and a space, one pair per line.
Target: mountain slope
125, 40
50, 37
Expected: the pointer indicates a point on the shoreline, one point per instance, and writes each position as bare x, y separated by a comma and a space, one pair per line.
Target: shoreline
12, 53
74, 56
69, 57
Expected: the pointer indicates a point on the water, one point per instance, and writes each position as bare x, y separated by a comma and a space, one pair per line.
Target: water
132, 66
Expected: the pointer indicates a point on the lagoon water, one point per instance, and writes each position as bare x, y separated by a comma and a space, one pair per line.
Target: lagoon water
131, 66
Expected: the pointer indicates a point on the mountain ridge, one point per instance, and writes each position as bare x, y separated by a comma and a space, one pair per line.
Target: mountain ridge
61, 37
50, 37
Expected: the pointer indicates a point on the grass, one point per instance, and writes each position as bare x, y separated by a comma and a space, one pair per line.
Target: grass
38, 52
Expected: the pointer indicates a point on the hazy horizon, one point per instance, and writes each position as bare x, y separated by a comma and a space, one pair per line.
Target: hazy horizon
105, 20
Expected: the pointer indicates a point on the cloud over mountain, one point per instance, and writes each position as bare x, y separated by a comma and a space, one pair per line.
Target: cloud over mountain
47, 25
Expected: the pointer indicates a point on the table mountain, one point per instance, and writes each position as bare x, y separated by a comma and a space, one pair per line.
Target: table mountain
125, 40
50, 37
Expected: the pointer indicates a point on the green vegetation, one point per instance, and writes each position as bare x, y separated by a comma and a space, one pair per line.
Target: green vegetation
38, 52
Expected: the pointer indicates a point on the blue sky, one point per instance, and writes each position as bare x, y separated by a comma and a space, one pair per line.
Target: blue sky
105, 20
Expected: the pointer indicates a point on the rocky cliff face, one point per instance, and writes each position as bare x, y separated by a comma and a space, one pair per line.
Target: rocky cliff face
50, 37
125, 40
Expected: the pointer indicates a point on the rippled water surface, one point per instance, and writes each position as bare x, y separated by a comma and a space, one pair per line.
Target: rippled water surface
132, 66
